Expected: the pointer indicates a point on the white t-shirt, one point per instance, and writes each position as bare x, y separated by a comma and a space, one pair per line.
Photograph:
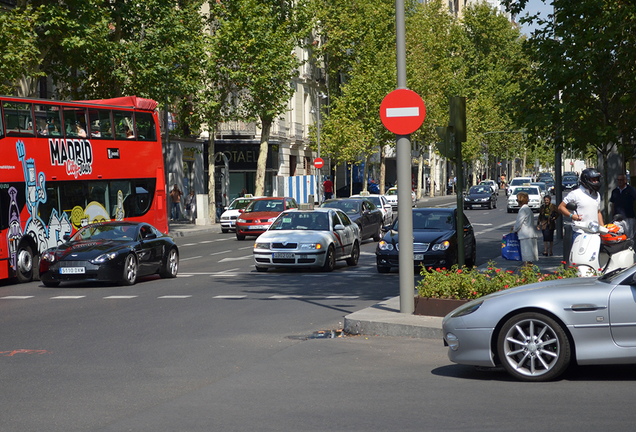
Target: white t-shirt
587, 207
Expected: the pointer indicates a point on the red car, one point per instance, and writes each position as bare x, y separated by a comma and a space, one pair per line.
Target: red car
259, 215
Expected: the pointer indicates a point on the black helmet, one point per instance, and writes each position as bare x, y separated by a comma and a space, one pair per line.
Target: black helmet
591, 179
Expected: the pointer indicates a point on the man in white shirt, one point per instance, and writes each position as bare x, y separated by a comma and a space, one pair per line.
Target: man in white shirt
587, 200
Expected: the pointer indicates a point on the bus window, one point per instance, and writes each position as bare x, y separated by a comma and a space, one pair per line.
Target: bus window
124, 125
18, 119
72, 194
47, 120
120, 202
146, 130
143, 196
101, 125
74, 122
45, 209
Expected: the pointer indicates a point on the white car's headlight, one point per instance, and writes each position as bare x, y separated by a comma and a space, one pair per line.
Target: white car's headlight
261, 245
310, 246
104, 257
441, 246
385, 245
241, 220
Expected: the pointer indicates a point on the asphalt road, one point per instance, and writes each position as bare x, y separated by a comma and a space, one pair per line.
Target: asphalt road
224, 348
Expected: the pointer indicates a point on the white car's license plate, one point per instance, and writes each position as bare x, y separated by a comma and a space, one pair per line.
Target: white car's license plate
72, 270
284, 255
418, 257
257, 227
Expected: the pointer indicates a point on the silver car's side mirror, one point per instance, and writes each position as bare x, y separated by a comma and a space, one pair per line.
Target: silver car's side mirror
339, 227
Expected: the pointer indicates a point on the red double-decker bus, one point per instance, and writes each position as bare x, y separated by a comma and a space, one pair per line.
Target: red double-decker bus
64, 165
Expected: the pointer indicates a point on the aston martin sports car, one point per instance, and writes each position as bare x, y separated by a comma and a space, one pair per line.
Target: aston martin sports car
536, 331
308, 238
110, 252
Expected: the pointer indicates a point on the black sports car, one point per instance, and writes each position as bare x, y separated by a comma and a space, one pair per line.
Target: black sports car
111, 252
363, 212
480, 196
434, 241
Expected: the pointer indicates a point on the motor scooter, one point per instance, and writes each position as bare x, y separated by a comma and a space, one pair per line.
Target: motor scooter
587, 247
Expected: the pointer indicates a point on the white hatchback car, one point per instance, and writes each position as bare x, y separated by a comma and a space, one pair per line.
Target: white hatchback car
493, 184
392, 197
534, 195
232, 212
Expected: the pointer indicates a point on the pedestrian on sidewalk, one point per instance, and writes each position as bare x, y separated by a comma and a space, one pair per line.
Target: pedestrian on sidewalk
524, 227
175, 197
548, 214
622, 202
587, 200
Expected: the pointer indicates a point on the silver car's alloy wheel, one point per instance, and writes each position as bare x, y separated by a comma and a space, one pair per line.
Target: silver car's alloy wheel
533, 347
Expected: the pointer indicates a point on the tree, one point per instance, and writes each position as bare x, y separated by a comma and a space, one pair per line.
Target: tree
258, 40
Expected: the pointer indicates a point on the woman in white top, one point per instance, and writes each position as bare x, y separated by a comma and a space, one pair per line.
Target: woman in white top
524, 227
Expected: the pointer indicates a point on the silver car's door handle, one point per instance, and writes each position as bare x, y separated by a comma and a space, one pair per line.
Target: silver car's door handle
584, 307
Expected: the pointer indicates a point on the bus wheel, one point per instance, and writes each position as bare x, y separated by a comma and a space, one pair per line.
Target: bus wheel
24, 271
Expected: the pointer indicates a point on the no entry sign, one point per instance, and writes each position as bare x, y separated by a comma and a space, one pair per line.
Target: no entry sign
402, 111
318, 163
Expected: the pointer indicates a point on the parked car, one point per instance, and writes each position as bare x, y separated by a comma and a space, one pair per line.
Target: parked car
232, 212
434, 241
260, 214
536, 331
491, 183
308, 238
482, 195
569, 183
362, 212
382, 203
110, 252
534, 195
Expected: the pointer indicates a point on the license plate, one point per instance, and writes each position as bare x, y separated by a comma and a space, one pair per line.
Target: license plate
418, 257
257, 227
283, 255
72, 270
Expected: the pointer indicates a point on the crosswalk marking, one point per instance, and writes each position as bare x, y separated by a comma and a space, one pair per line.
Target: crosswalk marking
175, 296
118, 297
67, 297
230, 296
16, 297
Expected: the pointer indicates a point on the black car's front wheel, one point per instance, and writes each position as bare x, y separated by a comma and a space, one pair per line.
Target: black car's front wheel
171, 267
533, 347
130, 270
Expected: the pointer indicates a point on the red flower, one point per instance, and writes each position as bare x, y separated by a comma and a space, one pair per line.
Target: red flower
497, 270
459, 271
506, 286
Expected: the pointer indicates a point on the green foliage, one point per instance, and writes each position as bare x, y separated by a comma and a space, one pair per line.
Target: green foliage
463, 283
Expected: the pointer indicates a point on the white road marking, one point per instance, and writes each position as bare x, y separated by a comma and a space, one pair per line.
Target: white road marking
191, 258
230, 296
218, 253
482, 224
494, 228
16, 297
121, 297
206, 241
236, 259
175, 297
342, 297
184, 275
283, 297
188, 244
403, 112
246, 247
67, 297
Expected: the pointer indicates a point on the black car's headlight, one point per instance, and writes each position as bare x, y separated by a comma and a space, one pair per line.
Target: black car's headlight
104, 257
385, 245
49, 256
441, 246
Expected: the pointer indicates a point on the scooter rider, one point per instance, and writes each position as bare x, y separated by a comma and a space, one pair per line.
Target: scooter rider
587, 200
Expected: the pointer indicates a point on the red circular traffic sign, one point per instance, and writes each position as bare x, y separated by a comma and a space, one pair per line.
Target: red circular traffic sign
318, 163
402, 111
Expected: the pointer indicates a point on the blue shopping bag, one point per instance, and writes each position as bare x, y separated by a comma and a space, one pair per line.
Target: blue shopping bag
510, 247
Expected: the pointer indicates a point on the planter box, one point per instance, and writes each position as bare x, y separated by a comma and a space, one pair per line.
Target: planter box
435, 306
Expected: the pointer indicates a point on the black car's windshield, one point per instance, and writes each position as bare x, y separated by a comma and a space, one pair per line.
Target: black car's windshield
273, 205
569, 179
350, 207
123, 232
479, 189
239, 204
432, 219
302, 221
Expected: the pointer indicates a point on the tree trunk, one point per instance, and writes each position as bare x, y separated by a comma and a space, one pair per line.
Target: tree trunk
262, 157
365, 174
382, 170
211, 172
420, 168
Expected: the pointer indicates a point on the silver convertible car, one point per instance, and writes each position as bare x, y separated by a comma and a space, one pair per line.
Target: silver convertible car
308, 238
535, 331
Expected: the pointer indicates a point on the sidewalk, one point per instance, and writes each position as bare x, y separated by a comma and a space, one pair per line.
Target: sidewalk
385, 318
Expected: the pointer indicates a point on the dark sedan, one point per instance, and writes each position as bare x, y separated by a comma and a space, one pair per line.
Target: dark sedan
480, 196
110, 252
363, 212
434, 241
569, 183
